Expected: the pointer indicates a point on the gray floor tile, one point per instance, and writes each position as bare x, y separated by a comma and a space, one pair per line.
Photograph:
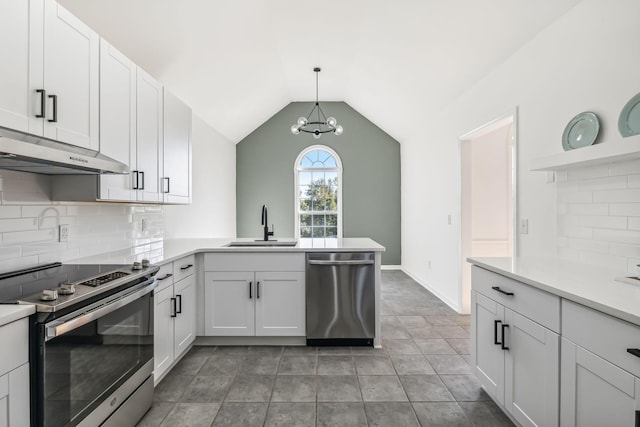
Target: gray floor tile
464, 320
260, 365
265, 350
300, 350
453, 331
241, 415
423, 332
298, 365
442, 414
291, 415
413, 321
295, 388
441, 320
222, 365
207, 389
374, 365
434, 346
191, 415
464, 387
460, 345
189, 365
155, 415
386, 414
334, 351
411, 364
367, 351
172, 387
394, 332
201, 351
341, 415
400, 346
336, 365
231, 349
381, 388
338, 388
425, 388
485, 414
449, 364
251, 388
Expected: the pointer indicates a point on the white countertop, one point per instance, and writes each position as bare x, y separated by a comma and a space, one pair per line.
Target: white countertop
169, 250
585, 284
12, 312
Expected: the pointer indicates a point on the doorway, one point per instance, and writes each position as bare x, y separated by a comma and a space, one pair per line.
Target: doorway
487, 196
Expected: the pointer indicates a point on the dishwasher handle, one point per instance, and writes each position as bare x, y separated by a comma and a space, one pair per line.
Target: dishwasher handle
345, 262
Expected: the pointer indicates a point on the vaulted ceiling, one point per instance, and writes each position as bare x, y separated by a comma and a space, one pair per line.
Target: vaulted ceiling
239, 62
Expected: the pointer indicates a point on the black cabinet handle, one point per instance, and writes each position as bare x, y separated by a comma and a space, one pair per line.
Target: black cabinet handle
258, 290
186, 267
175, 308
250, 286
497, 289
142, 185
55, 109
135, 180
495, 332
634, 351
166, 276
502, 345
43, 103
168, 185
179, 298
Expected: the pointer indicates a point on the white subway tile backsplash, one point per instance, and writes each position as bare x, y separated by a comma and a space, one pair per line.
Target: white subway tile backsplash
606, 261
569, 230
626, 209
634, 181
575, 197
625, 250
584, 173
607, 183
22, 237
618, 236
634, 223
18, 224
595, 221
631, 265
568, 254
585, 208
10, 212
589, 245
617, 196
624, 168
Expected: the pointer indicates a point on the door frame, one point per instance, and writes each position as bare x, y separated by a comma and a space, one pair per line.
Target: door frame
464, 289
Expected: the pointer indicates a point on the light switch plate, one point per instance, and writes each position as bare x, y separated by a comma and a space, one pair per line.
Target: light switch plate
63, 233
524, 226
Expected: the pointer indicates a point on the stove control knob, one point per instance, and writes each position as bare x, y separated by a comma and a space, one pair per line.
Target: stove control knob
145, 263
66, 289
49, 295
136, 266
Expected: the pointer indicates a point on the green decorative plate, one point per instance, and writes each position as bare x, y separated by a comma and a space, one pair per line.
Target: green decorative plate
581, 131
629, 120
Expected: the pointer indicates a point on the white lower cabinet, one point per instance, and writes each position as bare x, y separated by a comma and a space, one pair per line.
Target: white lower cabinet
515, 358
174, 317
14, 374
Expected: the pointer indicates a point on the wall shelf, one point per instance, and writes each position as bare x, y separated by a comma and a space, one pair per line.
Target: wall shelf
606, 152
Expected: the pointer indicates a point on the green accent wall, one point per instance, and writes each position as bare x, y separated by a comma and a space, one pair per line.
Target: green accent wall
370, 176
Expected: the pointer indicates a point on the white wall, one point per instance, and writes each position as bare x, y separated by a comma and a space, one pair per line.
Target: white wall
585, 61
212, 212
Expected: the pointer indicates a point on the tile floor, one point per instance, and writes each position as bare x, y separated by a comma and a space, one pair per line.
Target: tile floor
421, 377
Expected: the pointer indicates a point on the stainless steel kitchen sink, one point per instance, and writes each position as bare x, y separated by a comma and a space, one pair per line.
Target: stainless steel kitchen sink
262, 243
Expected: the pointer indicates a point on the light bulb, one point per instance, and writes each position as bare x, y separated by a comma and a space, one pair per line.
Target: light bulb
295, 129
338, 130
317, 134
332, 122
302, 122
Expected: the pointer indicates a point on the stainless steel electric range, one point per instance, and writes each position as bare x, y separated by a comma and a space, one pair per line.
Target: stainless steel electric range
91, 343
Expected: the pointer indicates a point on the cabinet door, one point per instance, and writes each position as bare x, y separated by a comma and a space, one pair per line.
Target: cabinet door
163, 355
19, 397
229, 303
531, 371
22, 44
149, 137
117, 120
280, 304
594, 392
71, 73
185, 322
176, 180
487, 317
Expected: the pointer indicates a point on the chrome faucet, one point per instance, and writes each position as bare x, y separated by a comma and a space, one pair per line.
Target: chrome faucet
267, 233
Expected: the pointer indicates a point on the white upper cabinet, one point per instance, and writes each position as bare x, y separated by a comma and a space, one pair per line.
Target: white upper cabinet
148, 170
51, 87
117, 120
176, 181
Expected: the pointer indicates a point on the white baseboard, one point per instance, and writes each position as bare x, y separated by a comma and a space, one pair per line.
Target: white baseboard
444, 299
390, 267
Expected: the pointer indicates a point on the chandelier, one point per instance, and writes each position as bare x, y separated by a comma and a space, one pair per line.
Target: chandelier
318, 124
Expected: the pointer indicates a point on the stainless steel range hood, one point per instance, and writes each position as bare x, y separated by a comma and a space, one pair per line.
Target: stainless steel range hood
27, 153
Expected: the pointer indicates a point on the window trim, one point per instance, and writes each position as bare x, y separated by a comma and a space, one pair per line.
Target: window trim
296, 173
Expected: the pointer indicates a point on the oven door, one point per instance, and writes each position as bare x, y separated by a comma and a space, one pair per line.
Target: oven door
87, 355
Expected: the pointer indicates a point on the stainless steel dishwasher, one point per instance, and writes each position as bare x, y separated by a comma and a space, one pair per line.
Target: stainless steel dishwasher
340, 298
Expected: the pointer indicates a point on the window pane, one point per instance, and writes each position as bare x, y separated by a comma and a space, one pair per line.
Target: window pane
305, 205
332, 232
305, 220
318, 220
305, 231
305, 178
330, 162
331, 176
318, 231
331, 220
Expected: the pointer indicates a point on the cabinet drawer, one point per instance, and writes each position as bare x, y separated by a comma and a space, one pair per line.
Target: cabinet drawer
17, 352
604, 335
184, 267
254, 261
539, 306
165, 277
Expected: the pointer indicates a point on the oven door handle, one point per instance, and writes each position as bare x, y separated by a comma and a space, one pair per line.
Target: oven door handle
61, 327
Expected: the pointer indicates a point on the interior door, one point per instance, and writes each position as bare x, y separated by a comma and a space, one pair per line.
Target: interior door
229, 303
280, 304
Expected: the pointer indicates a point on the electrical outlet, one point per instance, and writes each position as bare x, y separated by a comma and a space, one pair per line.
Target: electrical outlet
63, 233
143, 224
524, 226
449, 219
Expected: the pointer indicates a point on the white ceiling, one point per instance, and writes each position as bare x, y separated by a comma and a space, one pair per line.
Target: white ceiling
239, 62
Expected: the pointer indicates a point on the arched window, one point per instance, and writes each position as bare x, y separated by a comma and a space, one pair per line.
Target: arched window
318, 180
